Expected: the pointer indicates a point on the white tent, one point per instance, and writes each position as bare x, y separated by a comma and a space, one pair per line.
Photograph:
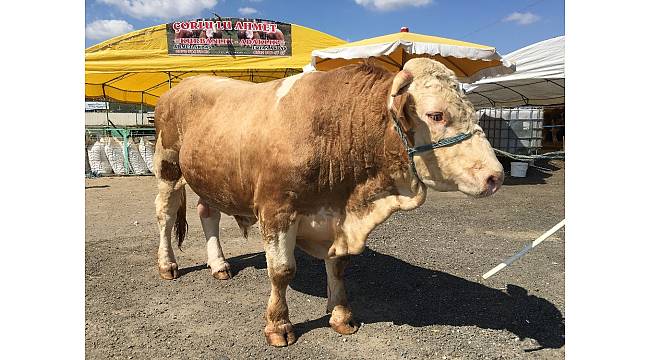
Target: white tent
538, 80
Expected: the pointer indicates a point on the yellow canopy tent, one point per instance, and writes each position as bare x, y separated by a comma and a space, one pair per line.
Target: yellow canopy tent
136, 67
469, 61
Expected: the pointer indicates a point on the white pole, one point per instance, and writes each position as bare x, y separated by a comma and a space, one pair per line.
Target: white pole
526, 249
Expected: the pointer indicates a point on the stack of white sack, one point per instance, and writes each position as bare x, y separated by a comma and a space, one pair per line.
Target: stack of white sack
87, 147
115, 154
97, 158
87, 162
135, 159
146, 151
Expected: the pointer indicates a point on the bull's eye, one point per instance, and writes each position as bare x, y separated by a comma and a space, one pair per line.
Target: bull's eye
435, 116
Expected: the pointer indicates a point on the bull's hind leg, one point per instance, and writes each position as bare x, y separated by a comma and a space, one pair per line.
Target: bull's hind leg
169, 202
279, 236
210, 218
337, 302
170, 207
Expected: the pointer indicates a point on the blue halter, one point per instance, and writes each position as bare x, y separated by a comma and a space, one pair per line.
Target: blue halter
410, 151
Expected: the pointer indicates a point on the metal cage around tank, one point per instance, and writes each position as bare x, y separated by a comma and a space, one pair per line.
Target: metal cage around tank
513, 130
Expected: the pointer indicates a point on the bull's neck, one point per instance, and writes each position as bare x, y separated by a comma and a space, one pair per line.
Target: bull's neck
359, 140
397, 162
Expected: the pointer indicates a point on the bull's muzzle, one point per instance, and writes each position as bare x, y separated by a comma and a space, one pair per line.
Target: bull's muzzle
492, 183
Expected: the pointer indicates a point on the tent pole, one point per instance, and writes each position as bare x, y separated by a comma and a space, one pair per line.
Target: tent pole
168, 81
106, 101
169, 75
141, 108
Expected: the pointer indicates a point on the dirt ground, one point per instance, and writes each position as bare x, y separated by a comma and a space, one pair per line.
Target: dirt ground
417, 289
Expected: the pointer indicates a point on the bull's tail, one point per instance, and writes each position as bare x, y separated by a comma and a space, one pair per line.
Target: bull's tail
180, 227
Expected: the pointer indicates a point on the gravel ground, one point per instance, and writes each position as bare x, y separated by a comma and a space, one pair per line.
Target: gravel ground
417, 289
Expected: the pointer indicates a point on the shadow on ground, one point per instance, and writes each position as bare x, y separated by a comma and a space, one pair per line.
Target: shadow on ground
97, 186
382, 288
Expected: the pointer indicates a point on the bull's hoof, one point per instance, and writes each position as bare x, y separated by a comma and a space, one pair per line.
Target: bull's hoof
279, 335
168, 271
344, 328
222, 273
342, 322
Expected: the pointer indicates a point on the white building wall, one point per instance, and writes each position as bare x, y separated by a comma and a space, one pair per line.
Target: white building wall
119, 119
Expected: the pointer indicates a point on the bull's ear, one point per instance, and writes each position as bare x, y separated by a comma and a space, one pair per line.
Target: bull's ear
398, 99
400, 83
400, 109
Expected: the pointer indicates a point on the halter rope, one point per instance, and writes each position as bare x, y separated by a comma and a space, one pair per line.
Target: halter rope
410, 151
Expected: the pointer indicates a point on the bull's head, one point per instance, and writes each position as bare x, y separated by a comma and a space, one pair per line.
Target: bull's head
427, 100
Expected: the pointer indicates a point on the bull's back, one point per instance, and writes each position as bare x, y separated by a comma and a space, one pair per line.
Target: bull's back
184, 104
219, 129
237, 140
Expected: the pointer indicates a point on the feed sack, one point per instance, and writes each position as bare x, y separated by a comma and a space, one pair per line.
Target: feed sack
136, 161
115, 155
97, 158
146, 151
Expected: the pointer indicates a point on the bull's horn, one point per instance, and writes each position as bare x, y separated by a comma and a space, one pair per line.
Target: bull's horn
401, 80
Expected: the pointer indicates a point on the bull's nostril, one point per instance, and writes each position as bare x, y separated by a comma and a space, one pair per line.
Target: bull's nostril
492, 181
492, 184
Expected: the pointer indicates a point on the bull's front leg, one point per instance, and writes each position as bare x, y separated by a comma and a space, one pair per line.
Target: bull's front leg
337, 302
279, 244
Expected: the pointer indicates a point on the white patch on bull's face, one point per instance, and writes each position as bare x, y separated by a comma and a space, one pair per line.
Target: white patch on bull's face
286, 85
440, 111
464, 166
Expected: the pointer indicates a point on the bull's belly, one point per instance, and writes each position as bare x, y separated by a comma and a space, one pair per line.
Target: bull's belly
215, 181
316, 233
227, 202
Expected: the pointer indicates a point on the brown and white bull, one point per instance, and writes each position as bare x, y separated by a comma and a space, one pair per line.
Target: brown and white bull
317, 160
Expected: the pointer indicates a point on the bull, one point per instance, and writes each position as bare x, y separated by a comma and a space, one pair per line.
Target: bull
319, 159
